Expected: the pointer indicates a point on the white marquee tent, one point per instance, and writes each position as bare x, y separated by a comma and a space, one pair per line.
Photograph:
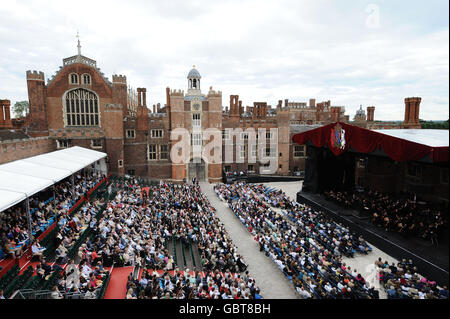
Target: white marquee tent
23, 178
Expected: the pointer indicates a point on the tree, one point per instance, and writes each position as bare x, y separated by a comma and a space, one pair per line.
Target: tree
21, 109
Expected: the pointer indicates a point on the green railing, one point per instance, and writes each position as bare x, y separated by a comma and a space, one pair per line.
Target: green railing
18, 282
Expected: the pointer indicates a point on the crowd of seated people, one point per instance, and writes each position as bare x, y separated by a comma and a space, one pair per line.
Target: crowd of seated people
80, 281
45, 207
90, 269
192, 285
401, 213
401, 281
90, 278
305, 244
135, 226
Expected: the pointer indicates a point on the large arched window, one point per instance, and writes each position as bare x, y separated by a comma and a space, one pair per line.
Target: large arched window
81, 108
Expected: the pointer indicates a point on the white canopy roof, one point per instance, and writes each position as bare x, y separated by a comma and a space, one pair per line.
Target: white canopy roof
26, 177
8, 199
433, 138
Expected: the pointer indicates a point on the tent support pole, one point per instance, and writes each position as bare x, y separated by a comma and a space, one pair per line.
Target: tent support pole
30, 235
54, 198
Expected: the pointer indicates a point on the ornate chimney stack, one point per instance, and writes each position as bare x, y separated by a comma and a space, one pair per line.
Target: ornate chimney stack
139, 92
412, 108
144, 97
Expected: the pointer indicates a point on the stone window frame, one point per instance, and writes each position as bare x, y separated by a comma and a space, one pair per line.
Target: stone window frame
226, 134
243, 150
71, 78
196, 139
196, 122
62, 141
166, 152
98, 140
152, 154
129, 135
83, 77
299, 153
157, 133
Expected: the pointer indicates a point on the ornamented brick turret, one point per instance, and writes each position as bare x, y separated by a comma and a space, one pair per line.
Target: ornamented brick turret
38, 109
234, 106
5, 115
335, 113
370, 113
412, 107
142, 113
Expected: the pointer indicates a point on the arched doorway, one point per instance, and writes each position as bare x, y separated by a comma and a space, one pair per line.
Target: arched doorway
197, 168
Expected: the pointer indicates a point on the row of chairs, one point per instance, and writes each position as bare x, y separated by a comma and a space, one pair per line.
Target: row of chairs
18, 282
9, 277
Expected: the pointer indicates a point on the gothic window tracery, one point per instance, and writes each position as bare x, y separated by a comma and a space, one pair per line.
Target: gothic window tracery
81, 108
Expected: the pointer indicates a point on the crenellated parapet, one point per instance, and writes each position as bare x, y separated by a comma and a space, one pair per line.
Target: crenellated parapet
35, 75
177, 92
119, 79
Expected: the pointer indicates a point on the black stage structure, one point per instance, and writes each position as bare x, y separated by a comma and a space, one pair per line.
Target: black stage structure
328, 168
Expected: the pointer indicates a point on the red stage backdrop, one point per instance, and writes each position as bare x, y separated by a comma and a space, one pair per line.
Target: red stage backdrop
340, 136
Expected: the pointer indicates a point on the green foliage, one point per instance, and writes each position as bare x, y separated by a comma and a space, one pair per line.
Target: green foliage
436, 125
21, 109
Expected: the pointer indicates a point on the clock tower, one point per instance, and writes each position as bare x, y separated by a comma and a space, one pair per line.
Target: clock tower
198, 113
194, 82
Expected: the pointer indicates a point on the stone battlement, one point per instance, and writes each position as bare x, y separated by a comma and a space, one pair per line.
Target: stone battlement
215, 93
35, 75
177, 92
119, 79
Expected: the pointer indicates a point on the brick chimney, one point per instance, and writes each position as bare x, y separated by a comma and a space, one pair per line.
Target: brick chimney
412, 108
5, 115
139, 93
370, 113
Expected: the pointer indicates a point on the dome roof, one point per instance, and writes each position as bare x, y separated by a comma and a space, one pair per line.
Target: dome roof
194, 73
360, 111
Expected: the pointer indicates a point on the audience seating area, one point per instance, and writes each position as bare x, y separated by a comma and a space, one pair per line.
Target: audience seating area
44, 210
305, 245
171, 236
47, 279
191, 285
401, 281
163, 227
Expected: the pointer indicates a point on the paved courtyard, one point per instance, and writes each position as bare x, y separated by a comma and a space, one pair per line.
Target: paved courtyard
269, 278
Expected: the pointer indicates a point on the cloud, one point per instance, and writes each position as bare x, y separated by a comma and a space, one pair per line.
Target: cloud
261, 50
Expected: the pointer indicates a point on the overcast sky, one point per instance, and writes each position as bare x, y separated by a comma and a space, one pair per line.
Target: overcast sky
352, 52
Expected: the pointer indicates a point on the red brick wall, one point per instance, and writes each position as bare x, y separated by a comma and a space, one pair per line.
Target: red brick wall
18, 149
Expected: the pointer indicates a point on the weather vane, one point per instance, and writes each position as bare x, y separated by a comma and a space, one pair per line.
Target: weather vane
79, 46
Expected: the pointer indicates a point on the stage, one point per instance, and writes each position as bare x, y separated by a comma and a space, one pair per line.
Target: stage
431, 261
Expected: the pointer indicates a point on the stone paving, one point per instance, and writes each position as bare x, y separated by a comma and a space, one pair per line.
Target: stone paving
271, 281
